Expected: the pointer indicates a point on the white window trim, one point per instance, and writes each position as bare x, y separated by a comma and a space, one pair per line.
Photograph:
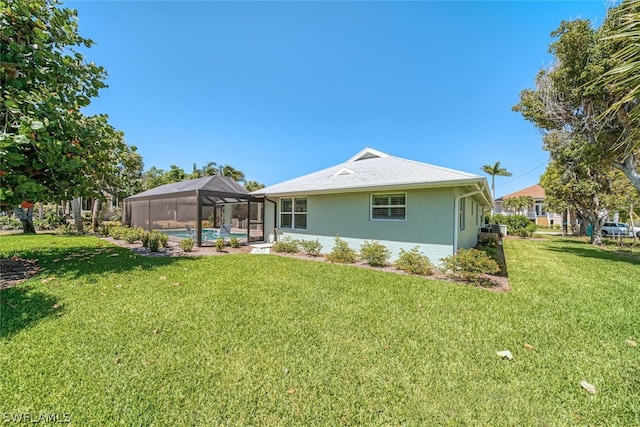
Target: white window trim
462, 206
405, 206
293, 213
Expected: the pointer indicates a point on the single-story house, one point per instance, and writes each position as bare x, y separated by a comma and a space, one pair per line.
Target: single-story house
398, 202
536, 213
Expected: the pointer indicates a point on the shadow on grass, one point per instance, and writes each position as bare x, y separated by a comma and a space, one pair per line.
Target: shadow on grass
587, 250
64, 256
21, 307
24, 305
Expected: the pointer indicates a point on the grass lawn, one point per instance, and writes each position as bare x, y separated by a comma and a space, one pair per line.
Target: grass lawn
268, 340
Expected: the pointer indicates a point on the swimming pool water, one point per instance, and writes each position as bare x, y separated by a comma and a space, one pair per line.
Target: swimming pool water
209, 234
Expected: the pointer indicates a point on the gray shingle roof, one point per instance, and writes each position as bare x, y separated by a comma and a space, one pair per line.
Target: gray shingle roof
372, 169
220, 184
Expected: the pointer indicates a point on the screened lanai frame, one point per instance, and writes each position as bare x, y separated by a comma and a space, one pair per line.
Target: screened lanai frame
192, 203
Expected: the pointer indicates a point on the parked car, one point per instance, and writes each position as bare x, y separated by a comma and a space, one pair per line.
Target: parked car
633, 231
616, 229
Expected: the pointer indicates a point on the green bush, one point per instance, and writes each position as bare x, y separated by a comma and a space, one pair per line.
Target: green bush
234, 242
342, 253
520, 225
490, 242
310, 247
153, 240
517, 225
469, 265
164, 239
106, 227
414, 262
9, 223
133, 234
145, 239
375, 253
219, 244
286, 245
498, 219
118, 232
69, 230
187, 244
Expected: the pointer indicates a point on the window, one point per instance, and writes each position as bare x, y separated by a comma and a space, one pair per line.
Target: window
391, 207
462, 213
539, 207
293, 213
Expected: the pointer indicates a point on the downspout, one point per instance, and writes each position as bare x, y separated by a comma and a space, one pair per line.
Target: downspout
456, 217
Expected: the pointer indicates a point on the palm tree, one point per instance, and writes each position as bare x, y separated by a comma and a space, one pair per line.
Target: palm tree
231, 172
493, 171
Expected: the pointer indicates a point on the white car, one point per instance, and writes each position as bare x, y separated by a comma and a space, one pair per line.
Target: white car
616, 229
633, 231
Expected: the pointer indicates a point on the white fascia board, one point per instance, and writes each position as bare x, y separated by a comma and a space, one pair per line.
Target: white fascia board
409, 186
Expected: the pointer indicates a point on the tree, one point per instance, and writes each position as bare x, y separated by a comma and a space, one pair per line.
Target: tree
572, 95
231, 172
253, 186
578, 178
519, 203
49, 150
494, 171
622, 34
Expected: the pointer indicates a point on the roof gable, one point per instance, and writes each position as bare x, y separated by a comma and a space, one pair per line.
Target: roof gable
372, 169
367, 153
535, 191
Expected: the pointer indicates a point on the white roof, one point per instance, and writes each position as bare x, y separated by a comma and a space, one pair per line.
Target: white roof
372, 169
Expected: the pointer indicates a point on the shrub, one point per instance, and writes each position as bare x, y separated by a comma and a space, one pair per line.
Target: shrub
374, 253
164, 239
10, 223
118, 232
234, 242
145, 239
490, 242
132, 235
219, 244
286, 245
55, 220
187, 244
69, 230
106, 227
520, 225
153, 240
414, 262
342, 253
310, 247
498, 219
469, 265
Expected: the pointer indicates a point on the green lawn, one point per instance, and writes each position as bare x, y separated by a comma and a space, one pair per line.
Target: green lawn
268, 340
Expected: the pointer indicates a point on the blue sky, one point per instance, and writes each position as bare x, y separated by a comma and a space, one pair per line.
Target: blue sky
281, 89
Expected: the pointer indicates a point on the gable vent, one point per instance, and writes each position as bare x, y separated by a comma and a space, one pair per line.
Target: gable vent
367, 153
344, 171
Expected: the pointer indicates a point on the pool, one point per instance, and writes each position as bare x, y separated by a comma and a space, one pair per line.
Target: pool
207, 234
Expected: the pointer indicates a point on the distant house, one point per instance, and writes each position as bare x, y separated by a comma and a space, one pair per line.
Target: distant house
537, 213
374, 196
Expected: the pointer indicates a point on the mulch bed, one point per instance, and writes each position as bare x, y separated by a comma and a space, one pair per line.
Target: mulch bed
15, 270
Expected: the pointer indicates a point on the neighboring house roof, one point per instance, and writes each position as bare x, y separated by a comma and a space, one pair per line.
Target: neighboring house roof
215, 184
535, 191
370, 169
